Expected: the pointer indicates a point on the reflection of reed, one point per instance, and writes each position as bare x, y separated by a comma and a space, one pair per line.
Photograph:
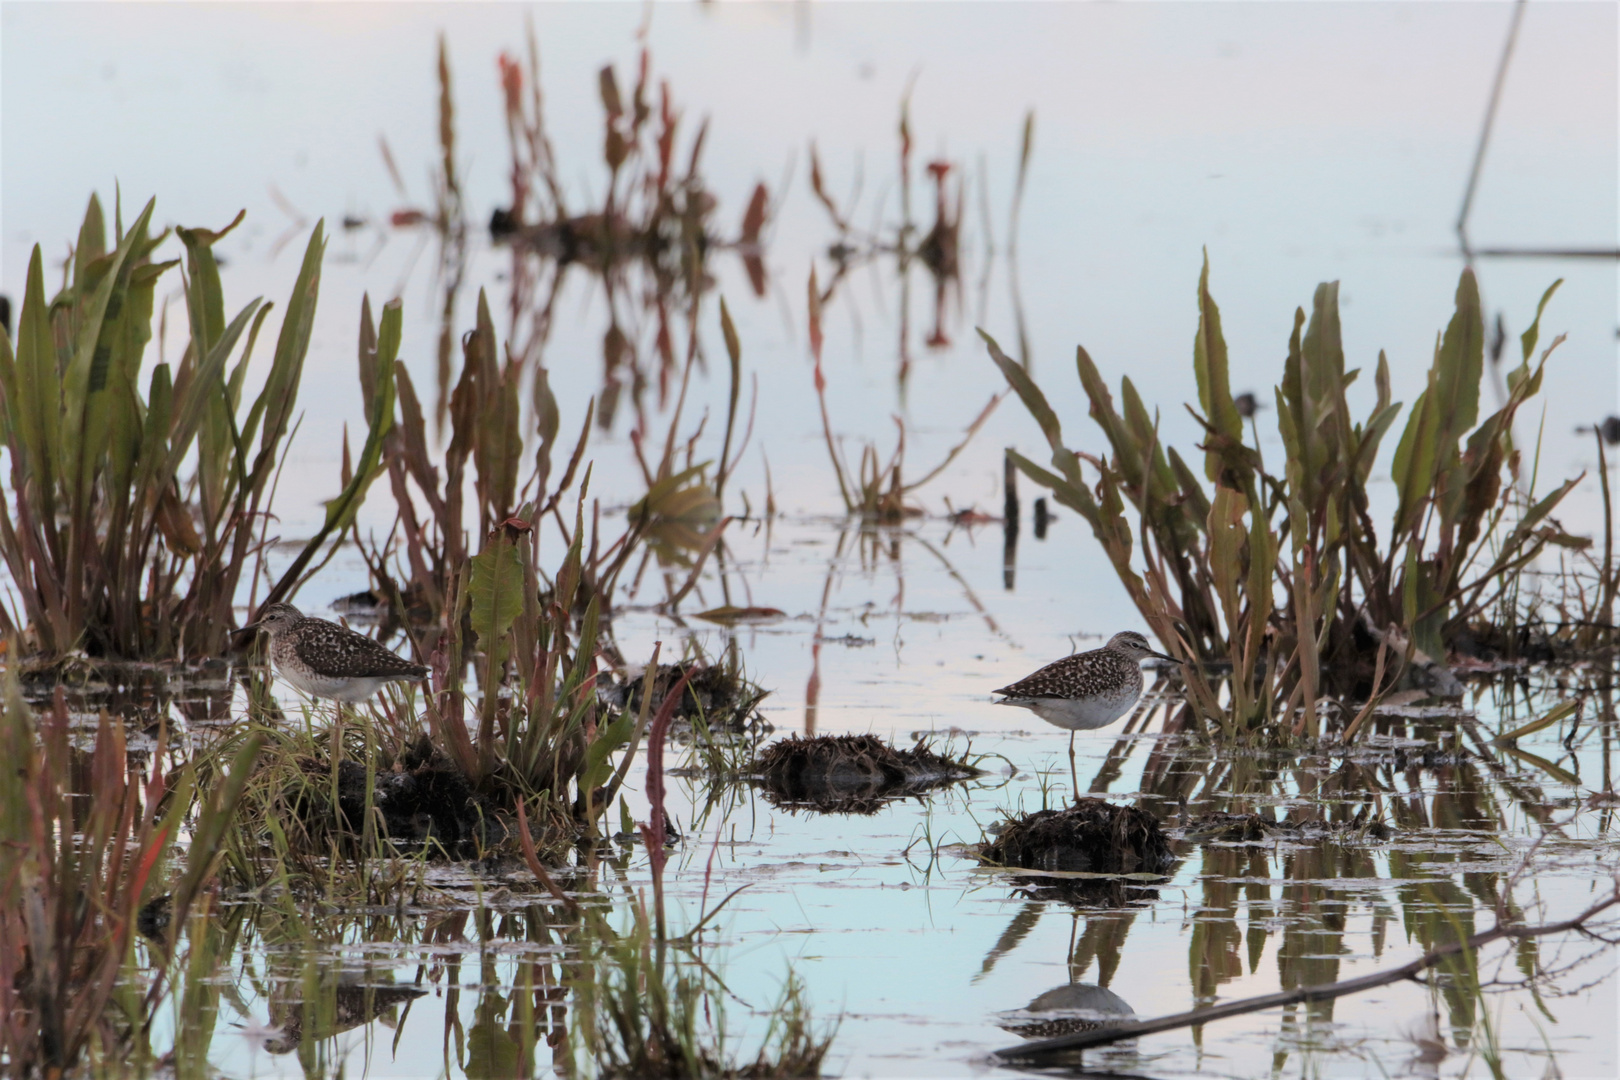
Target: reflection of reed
905, 243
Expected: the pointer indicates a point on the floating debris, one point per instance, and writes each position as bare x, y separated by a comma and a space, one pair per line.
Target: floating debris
852, 773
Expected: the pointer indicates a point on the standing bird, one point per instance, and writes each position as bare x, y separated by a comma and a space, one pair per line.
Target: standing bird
326, 660
1087, 690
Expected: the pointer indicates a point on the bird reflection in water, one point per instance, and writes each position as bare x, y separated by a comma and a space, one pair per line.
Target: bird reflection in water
339, 1008
1066, 1009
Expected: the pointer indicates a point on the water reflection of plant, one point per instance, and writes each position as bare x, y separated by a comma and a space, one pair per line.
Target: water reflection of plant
648, 241
905, 241
647, 1007
876, 491
1340, 608
1421, 807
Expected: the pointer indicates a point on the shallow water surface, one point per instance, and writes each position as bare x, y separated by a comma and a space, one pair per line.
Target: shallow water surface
926, 959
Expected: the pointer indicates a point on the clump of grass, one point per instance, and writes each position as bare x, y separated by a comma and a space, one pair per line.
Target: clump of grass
852, 773
1089, 836
133, 514
1280, 573
511, 744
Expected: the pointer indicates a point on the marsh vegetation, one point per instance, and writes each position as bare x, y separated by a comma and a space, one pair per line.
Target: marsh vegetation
609, 834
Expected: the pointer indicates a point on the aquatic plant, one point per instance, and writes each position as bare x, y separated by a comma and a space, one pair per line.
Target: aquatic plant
414, 569
79, 874
1282, 574
130, 518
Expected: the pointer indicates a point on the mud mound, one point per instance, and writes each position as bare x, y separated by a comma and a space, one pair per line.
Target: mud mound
851, 773
427, 802
1252, 829
715, 694
1092, 836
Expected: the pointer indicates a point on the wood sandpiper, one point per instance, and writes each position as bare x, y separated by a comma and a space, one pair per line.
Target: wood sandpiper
1087, 690
326, 660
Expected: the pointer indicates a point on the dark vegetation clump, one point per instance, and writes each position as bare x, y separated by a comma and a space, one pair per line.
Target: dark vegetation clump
851, 773
717, 695
1092, 837
424, 800
1254, 829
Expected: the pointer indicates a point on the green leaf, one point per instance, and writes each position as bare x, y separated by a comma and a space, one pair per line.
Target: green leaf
340, 512
496, 591
1210, 365
1462, 360
92, 243
1028, 392
734, 354
608, 739
1527, 340
36, 402
1076, 497
205, 295
203, 389
1226, 538
280, 393
84, 383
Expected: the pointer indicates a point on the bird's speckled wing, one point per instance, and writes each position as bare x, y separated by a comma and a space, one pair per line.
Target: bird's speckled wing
337, 652
1086, 674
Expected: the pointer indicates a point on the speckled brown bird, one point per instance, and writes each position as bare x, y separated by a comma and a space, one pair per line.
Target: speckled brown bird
1087, 690
330, 661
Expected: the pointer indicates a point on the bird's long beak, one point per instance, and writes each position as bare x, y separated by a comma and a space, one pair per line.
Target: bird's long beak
250, 628
1162, 656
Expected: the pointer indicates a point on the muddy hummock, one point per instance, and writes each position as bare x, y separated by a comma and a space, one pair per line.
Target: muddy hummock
1092, 837
426, 800
1253, 828
715, 693
851, 773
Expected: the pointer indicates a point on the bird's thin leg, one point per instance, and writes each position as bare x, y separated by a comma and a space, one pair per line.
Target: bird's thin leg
1074, 778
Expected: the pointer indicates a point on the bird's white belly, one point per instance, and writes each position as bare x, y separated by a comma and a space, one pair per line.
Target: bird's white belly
1077, 714
351, 690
